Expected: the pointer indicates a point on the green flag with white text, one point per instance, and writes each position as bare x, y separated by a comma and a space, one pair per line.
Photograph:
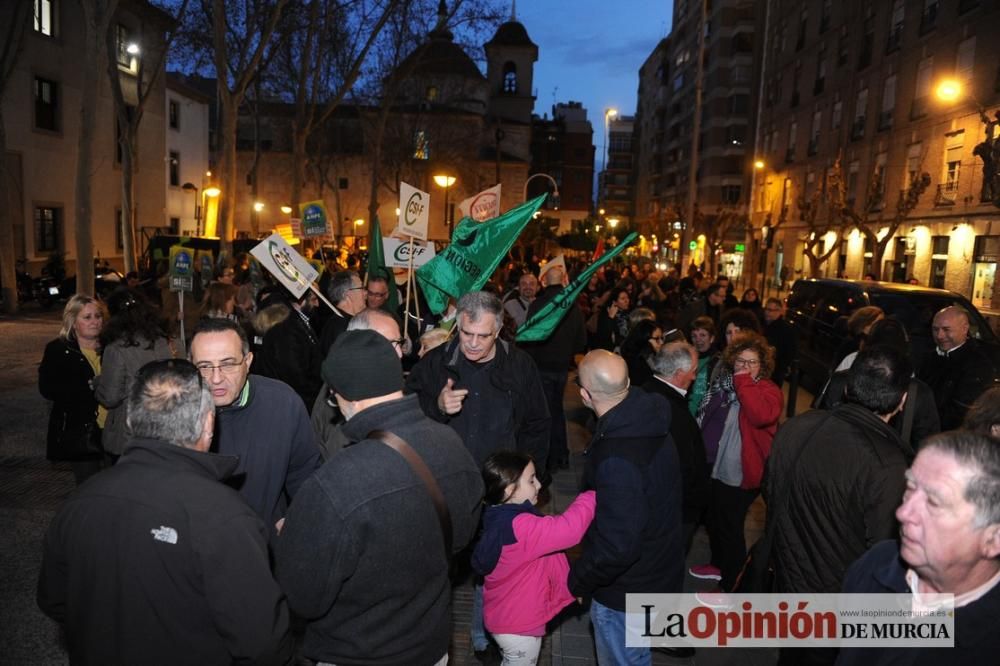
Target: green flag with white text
377, 267
476, 249
542, 323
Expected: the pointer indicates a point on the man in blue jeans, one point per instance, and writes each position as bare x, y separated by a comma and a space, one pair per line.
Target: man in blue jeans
635, 543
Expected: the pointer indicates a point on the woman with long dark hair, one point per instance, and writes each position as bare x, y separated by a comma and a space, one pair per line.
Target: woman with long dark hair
133, 337
642, 342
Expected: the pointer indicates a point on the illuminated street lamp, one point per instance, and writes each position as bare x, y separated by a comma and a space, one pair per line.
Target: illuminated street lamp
207, 215
613, 222
287, 210
758, 164
358, 223
950, 91
445, 181
258, 206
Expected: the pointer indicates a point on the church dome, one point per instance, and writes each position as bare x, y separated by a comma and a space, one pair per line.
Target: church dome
511, 33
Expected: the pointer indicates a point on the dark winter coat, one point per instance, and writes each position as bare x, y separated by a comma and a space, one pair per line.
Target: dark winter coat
269, 430
957, 380
64, 378
361, 555
154, 561
635, 543
555, 353
977, 641
686, 434
289, 352
513, 374
780, 334
840, 498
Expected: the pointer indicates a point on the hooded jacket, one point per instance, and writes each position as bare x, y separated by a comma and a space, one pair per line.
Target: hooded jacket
361, 555
520, 554
289, 351
635, 543
838, 500
154, 561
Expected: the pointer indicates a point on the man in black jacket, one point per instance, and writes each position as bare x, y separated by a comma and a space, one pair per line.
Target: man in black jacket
155, 561
362, 553
634, 543
833, 481
554, 357
674, 369
781, 335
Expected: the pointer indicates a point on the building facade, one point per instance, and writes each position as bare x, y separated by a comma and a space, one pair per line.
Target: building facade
616, 197
187, 179
562, 147
41, 110
848, 108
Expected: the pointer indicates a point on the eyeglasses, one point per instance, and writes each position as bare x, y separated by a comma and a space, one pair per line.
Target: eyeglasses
745, 362
357, 289
226, 367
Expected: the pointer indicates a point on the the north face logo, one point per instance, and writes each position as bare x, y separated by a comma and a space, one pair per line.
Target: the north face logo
167, 534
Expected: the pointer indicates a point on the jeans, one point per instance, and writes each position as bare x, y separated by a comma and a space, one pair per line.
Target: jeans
480, 641
609, 636
519, 650
554, 386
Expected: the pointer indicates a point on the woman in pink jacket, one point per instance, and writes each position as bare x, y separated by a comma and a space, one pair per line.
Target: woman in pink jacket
520, 556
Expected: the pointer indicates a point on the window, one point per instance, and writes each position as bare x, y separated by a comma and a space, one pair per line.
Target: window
46, 104
965, 59
895, 27
123, 41
867, 42
860, 114
431, 94
47, 223
925, 79
790, 151
842, 46
929, 15
952, 165
824, 16
174, 226
852, 181
44, 14
174, 114
914, 158
820, 71
421, 147
837, 112
817, 120
877, 198
888, 103
736, 135
510, 78
731, 194
803, 24
342, 183
175, 169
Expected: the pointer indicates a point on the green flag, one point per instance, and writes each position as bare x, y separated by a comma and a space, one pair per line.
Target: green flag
377, 268
542, 323
476, 249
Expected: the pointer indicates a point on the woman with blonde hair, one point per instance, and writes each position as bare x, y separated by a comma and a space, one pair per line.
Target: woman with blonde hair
65, 377
219, 301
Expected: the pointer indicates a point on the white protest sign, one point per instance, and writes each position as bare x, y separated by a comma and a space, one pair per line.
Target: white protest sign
397, 253
483, 206
414, 211
285, 264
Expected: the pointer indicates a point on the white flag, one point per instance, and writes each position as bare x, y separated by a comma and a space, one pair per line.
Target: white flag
414, 211
483, 206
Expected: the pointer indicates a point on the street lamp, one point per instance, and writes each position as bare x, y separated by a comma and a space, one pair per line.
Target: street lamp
357, 231
287, 210
445, 181
210, 193
613, 222
555, 185
950, 91
608, 115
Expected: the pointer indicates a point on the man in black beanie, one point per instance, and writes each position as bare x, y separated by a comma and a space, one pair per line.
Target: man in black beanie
362, 552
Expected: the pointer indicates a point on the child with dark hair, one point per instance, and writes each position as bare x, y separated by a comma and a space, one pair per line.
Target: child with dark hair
520, 555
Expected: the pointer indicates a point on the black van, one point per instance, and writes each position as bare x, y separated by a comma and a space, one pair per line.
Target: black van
818, 308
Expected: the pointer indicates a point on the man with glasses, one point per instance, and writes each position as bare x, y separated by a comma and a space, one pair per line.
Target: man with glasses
347, 294
377, 292
259, 419
781, 335
635, 542
155, 560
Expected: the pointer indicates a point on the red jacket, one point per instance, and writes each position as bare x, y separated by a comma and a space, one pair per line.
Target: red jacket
760, 408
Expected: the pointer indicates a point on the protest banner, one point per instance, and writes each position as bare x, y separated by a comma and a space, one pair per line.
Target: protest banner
414, 211
181, 268
483, 206
397, 252
285, 264
313, 218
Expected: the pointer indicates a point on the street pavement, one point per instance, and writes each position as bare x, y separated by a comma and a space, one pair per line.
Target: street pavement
31, 489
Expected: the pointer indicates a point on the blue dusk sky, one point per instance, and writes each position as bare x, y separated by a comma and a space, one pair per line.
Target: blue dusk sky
590, 51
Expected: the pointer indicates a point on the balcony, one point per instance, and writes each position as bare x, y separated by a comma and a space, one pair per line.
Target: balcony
928, 18
858, 128
946, 193
885, 120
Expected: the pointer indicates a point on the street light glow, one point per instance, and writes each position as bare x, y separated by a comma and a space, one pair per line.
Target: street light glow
948, 90
258, 206
358, 222
613, 222
212, 191
758, 164
444, 180
287, 210
132, 49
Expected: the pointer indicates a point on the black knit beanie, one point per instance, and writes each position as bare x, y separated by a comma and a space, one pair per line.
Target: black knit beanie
362, 364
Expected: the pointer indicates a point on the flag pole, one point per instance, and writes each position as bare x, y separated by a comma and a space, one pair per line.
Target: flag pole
409, 281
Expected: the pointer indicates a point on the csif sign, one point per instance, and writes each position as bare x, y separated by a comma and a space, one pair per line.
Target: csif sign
397, 253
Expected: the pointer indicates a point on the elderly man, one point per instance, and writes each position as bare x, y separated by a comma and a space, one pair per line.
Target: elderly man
347, 294
674, 370
155, 561
949, 526
958, 370
554, 357
634, 543
326, 418
362, 555
517, 303
259, 419
487, 389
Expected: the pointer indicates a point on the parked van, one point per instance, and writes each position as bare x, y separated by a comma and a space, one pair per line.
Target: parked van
819, 308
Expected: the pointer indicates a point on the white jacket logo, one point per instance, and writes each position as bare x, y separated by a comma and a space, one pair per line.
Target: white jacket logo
165, 533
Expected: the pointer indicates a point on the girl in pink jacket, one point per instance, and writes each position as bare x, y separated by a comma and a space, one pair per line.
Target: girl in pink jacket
519, 553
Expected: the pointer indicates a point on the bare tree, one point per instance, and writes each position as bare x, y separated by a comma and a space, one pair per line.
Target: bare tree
98, 15
819, 227
14, 18
868, 218
718, 227
129, 116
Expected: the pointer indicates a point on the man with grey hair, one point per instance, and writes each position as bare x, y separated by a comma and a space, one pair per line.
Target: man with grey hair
674, 369
949, 528
347, 294
487, 389
155, 560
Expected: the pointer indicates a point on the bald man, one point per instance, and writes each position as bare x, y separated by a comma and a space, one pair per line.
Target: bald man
958, 370
635, 543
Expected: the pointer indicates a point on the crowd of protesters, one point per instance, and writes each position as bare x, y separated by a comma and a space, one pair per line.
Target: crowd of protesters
346, 464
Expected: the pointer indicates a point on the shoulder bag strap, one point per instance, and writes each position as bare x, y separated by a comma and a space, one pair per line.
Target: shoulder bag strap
419, 467
909, 409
